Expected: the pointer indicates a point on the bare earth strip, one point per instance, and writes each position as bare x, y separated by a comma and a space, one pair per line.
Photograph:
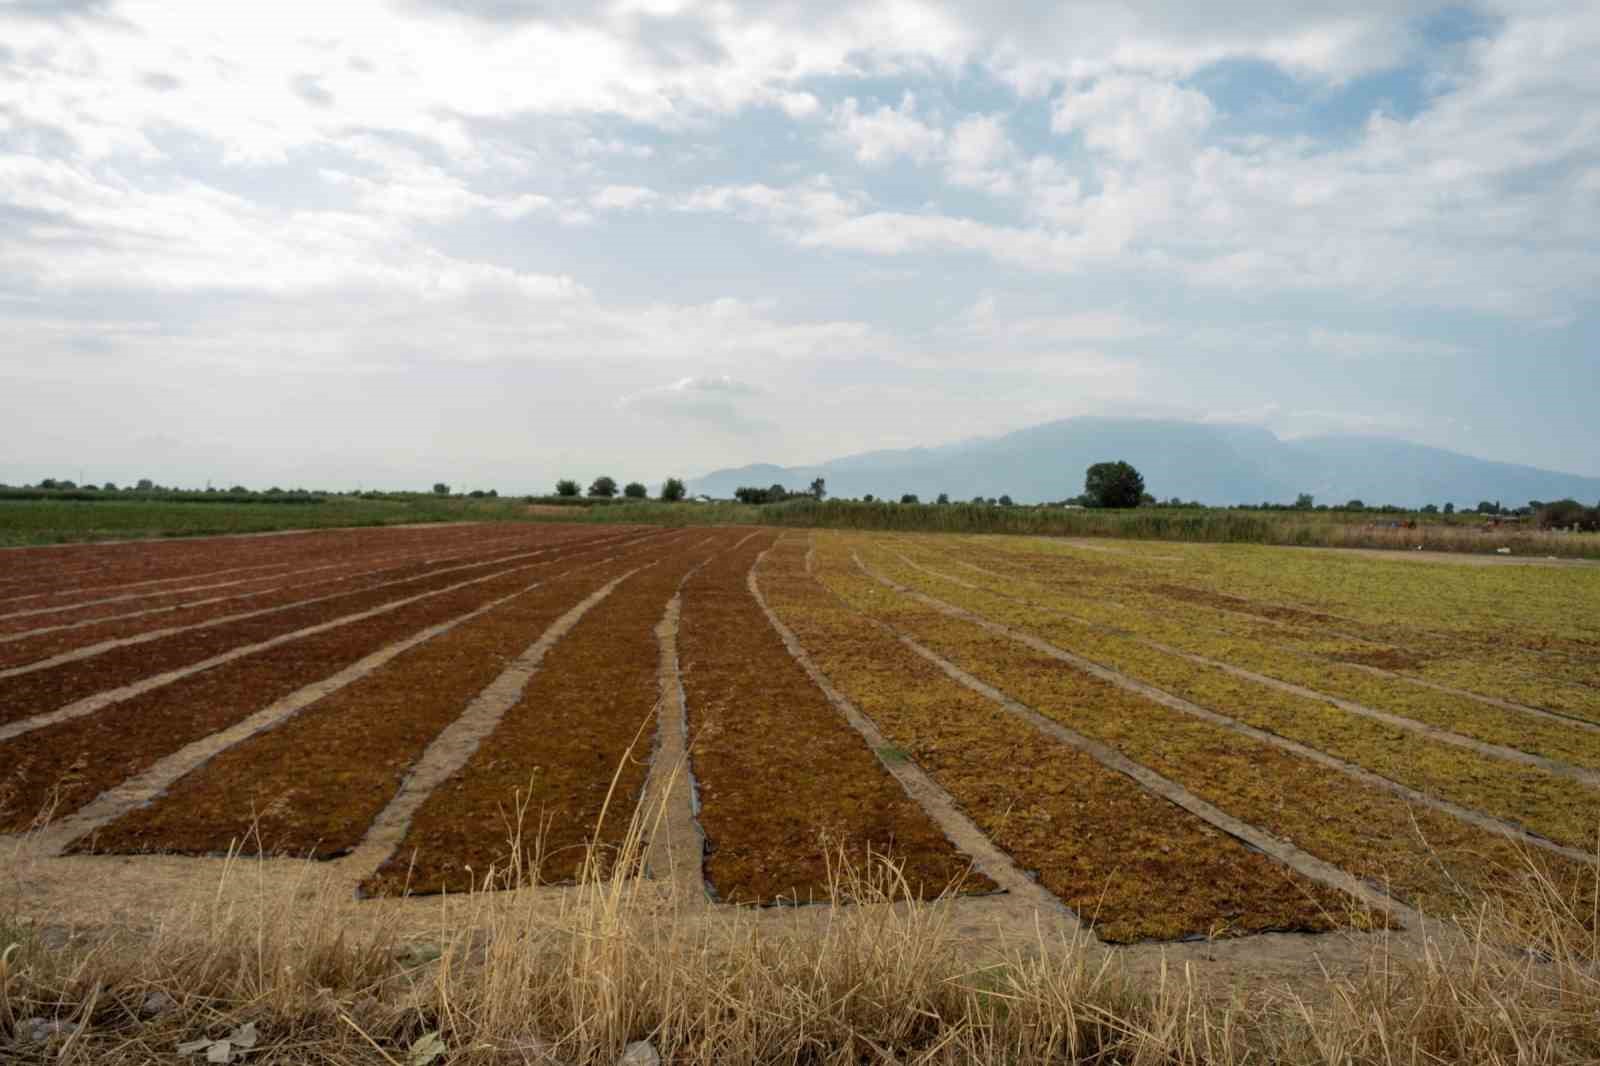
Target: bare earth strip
289, 575
452, 748
946, 813
59, 769
16, 697
310, 784
91, 704
1179, 704
119, 801
216, 559
549, 796
1443, 736
109, 634
675, 850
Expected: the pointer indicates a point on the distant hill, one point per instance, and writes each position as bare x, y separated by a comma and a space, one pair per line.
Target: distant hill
1216, 464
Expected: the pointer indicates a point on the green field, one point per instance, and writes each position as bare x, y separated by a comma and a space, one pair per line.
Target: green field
60, 521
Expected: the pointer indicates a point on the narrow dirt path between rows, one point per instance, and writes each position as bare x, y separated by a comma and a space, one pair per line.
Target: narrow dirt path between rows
452, 748
922, 789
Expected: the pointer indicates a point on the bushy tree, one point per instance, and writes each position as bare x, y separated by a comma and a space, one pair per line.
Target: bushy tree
750, 494
1564, 514
1304, 502
944, 497
910, 497
603, 487
566, 487
1005, 501
673, 490
776, 493
1449, 508
439, 488
1430, 508
635, 490
1355, 505
1113, 485
819, 488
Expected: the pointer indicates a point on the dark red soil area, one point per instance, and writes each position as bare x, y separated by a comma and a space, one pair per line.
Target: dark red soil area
314, 784
83, 568
785, 782
556, 752
70, 763
40, 691
129, 593
283, 591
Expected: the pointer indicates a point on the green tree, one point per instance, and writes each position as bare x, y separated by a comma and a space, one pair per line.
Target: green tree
673, 490
1449, 508
944, 497
1430, 508
635, 490
910, 497
439, 488
1355, 505
1005, 501
603, 487
1113, 485
1304, 502
145, 485
776, 493
819, 489
566, 487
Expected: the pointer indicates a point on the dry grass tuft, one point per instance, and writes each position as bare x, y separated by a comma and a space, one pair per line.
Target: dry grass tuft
511, 978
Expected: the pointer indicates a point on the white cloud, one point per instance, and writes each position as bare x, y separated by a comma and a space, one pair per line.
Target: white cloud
624, 197
980, 155
721, 402
1134, 119
884, 134
794, 208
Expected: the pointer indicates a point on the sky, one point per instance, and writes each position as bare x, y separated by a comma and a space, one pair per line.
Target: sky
383, 243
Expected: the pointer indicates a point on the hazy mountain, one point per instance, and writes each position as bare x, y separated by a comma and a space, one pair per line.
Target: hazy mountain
1217, 464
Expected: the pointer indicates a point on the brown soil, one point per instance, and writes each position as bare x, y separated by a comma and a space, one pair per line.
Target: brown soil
76, 570
555, 754
309, 568
1276, 612
38, 692
69, 763
785, 783
367, 573
1385, 658
314, 784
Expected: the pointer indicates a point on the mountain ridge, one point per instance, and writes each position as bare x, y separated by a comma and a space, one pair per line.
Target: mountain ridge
1215, 463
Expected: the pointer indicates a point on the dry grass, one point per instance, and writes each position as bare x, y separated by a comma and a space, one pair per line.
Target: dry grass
515, 981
